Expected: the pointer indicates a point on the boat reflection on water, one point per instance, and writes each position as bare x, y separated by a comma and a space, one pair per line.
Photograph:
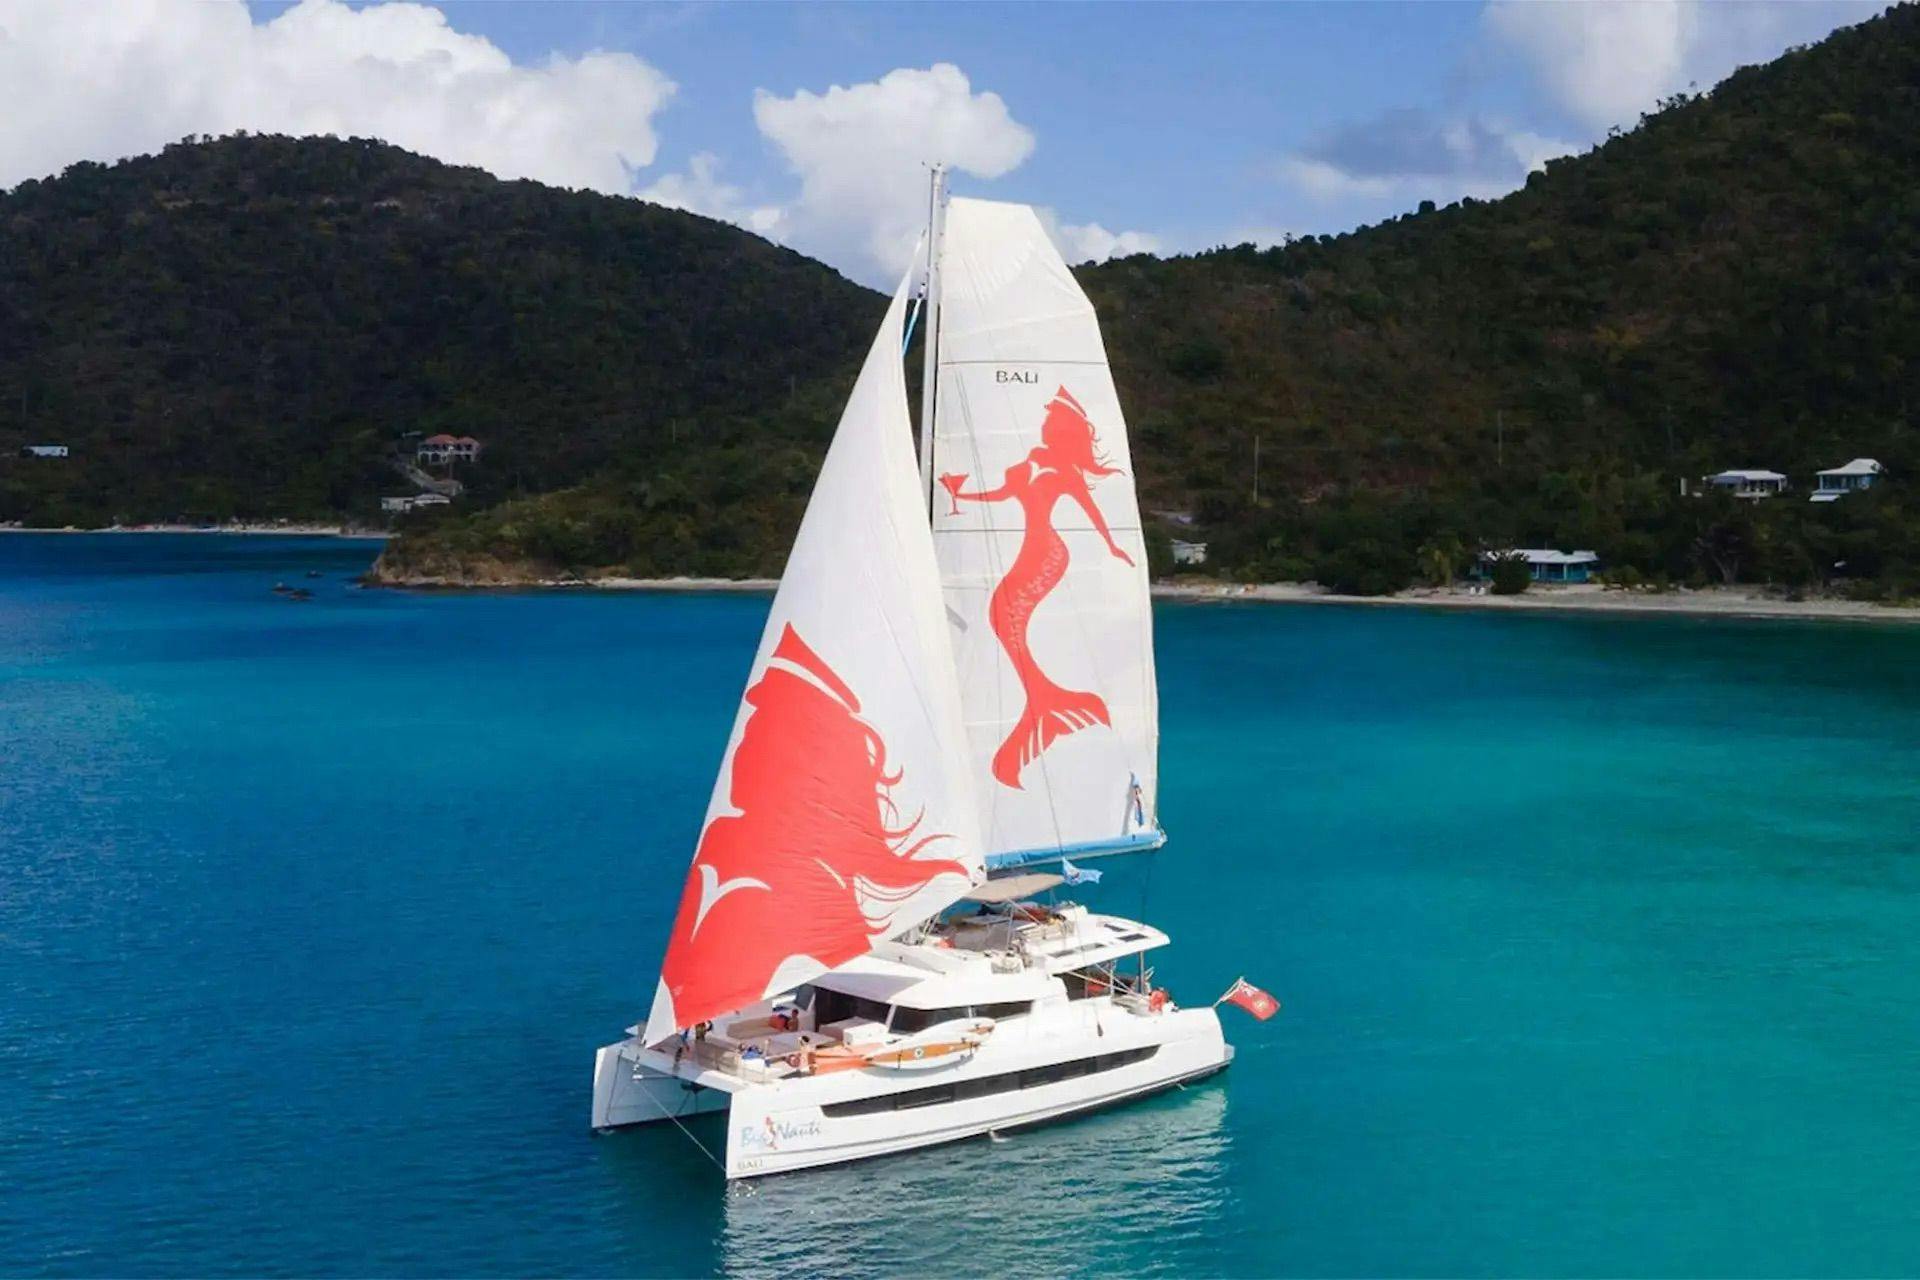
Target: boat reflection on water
1099, 1193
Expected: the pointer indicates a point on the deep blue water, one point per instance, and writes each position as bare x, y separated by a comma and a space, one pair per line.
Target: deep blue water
1598, 941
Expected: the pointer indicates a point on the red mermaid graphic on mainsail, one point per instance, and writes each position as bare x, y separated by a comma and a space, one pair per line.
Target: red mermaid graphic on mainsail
1063, 465
814, 847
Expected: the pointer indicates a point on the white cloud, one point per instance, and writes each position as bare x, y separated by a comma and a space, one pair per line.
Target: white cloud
861, 153
1607, 61
103, 81
1407, 154
700, 190
1093, 242
1326, 181
1603, 61
1533, 150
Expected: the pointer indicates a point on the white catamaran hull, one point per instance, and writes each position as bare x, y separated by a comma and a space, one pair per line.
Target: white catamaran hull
803, 1123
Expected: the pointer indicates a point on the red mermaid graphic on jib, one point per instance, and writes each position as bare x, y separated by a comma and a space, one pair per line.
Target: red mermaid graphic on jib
815, 857
1063, 465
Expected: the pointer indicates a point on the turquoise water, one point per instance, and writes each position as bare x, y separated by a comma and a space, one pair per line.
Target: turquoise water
1597, 940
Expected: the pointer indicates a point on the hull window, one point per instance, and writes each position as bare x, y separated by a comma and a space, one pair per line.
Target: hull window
907, 1022
925, 1097
1002, 1011
984, 1086
837, 1006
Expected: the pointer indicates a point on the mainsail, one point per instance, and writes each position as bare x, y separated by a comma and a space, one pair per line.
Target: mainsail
844, 812
1042, 561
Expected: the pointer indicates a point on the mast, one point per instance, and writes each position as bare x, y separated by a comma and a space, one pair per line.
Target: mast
936, 202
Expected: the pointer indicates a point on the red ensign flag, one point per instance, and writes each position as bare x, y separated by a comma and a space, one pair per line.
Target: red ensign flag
1251, 998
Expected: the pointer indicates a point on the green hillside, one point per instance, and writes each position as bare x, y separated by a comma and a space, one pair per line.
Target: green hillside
1735, 283
245, 327
1731, 284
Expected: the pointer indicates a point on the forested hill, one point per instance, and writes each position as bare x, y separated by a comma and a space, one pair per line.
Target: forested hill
1734, 283
246, 324
246, 327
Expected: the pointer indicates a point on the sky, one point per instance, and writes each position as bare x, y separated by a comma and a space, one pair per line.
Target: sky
1135, 127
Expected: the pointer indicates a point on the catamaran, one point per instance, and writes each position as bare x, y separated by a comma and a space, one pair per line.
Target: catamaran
951, 708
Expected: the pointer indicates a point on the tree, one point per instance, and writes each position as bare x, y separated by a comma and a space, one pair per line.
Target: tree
1726, 538
1512, 575
1440, 560
1365, 568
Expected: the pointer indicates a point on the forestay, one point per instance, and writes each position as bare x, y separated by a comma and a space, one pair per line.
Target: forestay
1042, 561
843, 813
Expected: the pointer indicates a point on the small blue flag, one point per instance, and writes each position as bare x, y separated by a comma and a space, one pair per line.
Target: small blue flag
1076, 875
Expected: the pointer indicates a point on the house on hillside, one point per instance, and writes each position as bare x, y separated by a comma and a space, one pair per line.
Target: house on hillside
443, 448
1189, 552
1744, 482
1543, 563
45, 451
400, 506
1836, 482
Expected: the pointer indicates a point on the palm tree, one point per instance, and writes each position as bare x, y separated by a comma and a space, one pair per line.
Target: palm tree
1440, 560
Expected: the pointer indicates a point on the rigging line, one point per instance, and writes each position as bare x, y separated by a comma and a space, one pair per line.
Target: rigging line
906, 339
662, 1109
1147, 707
1146, 891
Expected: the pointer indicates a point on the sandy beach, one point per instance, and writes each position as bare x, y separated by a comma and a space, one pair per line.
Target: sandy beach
1720, 602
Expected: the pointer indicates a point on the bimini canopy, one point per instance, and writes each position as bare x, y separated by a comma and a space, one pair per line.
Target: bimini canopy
1014, 888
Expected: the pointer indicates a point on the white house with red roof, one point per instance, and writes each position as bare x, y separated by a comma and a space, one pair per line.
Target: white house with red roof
444, 448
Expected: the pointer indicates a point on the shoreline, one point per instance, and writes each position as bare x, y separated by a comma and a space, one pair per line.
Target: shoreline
1563, 599
1710, 602
440, 582
276, 530
1707, 602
